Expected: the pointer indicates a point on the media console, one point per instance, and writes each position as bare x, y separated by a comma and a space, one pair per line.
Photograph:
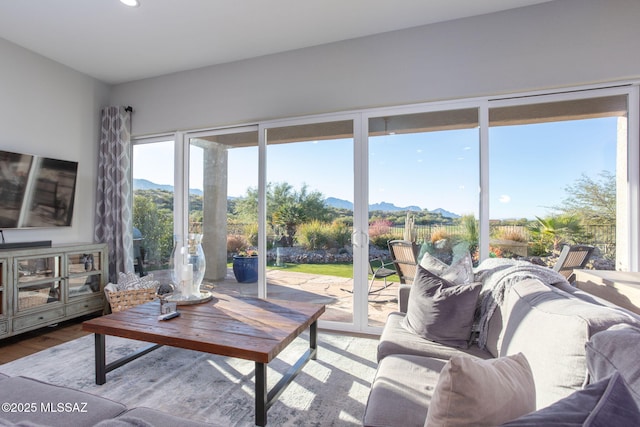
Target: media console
41, 286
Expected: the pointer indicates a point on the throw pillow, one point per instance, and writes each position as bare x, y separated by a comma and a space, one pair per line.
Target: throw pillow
460, 271
433, 264
440, 311
477, 392
616, 350
605, 403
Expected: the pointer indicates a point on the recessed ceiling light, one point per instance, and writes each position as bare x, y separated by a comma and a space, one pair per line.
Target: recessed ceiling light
130, 3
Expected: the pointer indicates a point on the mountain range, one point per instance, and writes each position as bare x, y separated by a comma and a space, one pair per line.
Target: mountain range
385, 207
143, 184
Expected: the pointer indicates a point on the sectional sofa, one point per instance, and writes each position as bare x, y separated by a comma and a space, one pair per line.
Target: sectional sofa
28, 402
537, 348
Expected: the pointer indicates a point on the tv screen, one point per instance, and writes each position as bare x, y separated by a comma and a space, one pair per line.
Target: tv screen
36, 191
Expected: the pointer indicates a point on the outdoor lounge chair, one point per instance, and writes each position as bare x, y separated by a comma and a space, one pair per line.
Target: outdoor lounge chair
404, 255
572, 257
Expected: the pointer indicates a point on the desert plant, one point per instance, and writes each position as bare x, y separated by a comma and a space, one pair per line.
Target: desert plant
410, 233
315, 235
549, 233
236, 243
251, 233
513, 234
439, 233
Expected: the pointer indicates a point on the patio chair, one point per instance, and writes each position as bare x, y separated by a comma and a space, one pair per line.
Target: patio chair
381, 272
378, 272
572, 257
404, 255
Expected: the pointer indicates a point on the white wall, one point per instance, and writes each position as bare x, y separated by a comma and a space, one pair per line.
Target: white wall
50, 110
550, 45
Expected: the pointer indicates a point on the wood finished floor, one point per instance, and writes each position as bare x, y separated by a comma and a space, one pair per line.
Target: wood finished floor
22, 345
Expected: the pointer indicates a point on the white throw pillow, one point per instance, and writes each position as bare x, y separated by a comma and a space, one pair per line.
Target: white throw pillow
459, 272
476, 392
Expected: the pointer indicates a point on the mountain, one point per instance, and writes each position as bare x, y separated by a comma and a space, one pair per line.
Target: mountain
390, 207
384, 206
338, 203
143, 184
445, 213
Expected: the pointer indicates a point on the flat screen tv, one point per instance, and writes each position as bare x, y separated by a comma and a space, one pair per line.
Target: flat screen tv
36, 191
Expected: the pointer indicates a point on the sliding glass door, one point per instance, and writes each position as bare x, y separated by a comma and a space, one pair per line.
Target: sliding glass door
309, 195
423, 189
222, 202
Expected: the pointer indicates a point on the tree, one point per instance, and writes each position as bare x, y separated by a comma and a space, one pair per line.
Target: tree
156, 226
591, 200
286, 208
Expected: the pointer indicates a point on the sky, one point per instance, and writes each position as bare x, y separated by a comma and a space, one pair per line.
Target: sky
530, 166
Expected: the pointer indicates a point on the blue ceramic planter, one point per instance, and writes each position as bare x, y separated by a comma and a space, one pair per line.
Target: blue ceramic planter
245, 269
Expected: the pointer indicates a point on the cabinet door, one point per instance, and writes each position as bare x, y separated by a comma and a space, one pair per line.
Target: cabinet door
84, 272
3, 290
38, 280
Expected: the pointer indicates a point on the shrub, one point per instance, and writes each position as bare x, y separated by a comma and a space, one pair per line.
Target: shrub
315, 235
236, 243
251, 233
340, 233
382, 240
438, 234
513, 234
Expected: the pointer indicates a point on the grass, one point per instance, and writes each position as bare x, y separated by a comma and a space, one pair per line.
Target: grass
339, 270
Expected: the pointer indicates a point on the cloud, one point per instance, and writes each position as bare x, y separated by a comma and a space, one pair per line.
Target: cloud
504, 199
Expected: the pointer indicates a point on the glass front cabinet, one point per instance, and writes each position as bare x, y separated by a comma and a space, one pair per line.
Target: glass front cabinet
4, 329
43, 286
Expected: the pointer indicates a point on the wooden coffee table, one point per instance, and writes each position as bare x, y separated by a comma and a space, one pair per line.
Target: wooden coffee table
247, 328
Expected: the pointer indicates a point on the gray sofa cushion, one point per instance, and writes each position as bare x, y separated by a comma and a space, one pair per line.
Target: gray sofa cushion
475, 392
616, 350
397, 340
551, 328
3, 376
21, 390
440, 310
401, 391
157, 418
605, 403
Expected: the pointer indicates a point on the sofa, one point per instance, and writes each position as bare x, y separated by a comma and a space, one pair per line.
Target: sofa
509, 344
27, 402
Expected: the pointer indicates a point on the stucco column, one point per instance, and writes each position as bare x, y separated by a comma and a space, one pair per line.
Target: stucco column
214, 209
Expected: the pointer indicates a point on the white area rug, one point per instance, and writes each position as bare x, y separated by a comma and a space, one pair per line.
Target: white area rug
330, 391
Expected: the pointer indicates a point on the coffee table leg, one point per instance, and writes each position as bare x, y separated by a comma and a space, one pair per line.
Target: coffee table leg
313, 340
101, 365
261, 394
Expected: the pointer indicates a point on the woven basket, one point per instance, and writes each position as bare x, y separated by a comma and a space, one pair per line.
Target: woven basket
121, 300
29, 299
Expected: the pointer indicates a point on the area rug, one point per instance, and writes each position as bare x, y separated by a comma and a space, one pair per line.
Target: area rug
330, 391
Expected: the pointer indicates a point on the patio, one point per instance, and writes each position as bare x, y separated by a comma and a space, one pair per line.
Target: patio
328, 290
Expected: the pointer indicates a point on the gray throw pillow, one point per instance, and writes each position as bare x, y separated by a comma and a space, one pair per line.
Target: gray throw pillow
616, 350
602, 404
441, 311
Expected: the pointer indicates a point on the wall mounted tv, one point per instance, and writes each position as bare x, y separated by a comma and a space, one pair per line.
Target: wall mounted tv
36, 191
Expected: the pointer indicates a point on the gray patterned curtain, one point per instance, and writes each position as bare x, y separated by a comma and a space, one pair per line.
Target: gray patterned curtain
114, 221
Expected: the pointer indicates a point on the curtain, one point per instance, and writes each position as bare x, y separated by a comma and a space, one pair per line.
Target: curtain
114, 219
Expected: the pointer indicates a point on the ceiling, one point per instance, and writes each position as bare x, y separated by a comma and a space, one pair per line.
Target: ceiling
115, 43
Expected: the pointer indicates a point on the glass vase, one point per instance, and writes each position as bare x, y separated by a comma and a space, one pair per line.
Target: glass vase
188, 265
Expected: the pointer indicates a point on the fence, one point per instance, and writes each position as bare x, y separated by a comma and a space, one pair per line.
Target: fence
601, 236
